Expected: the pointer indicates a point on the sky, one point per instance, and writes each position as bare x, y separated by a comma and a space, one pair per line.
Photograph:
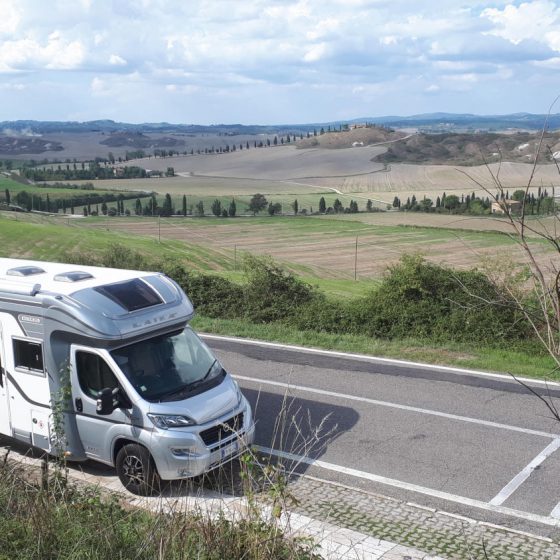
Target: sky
274, 61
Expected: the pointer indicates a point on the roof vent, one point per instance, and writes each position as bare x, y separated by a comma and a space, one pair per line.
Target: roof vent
75, 276
25, 271
132, 295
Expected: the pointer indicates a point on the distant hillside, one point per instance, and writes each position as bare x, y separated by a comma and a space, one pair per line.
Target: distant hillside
351, 138
471, 149
449, 122
140, 141
431, 122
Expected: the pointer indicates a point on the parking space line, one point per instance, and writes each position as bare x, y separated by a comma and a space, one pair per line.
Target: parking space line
387, 404
523, 475
300, 459
556, 511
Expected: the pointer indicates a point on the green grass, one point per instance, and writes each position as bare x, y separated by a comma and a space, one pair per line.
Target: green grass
524, 360
47, 518
54, 192
45, 240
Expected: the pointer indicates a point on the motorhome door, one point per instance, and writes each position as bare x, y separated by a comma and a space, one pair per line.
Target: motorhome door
5, 426
90, 373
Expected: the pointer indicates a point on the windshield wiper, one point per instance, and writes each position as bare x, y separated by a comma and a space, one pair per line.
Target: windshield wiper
176, 391
204, 378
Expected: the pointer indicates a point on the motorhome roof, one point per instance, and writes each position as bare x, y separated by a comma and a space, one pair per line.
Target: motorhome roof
59, 278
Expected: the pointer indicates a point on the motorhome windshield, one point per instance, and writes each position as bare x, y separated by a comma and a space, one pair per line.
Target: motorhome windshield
170, 366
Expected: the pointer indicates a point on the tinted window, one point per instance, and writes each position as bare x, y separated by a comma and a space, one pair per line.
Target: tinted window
28, 355
132, 294
94, 374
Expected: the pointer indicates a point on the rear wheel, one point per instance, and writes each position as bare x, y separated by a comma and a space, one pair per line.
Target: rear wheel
137, 471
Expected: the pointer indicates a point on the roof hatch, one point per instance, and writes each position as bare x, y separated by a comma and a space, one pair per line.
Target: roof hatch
131, 294
74, 276
29, 270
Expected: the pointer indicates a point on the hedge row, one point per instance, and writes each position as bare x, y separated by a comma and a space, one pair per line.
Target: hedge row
415, 299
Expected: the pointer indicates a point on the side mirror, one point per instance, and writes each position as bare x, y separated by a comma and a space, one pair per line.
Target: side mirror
107, 401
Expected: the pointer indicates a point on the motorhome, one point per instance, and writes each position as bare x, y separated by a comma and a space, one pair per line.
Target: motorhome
100, 363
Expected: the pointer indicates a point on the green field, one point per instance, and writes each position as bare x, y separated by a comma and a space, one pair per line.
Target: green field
54, 192
37, 237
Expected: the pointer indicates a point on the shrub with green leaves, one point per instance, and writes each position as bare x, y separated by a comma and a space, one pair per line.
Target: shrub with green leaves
214, 296
271, 292
421, 299
416, 299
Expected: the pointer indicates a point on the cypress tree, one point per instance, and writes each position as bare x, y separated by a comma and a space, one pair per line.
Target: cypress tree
232, 208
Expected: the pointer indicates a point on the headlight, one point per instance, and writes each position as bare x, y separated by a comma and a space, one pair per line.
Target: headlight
166, 421
238, 392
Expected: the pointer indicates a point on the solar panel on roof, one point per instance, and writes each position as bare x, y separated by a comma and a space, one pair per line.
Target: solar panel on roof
131, 294
28, 270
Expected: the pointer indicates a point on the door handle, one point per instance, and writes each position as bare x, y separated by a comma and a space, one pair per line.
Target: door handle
79, 404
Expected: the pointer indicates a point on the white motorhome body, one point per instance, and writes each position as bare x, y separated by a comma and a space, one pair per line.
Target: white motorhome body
101, 363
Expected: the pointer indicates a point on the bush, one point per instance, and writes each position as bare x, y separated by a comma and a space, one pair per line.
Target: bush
420, 299
215, 296
325, 315
272, 293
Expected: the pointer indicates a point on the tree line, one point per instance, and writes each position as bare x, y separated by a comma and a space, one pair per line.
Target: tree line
540, 204
37, 202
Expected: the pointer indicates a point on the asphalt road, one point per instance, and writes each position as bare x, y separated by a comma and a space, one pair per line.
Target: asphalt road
475, 445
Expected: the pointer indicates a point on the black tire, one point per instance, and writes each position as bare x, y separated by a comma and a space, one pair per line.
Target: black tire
137, 471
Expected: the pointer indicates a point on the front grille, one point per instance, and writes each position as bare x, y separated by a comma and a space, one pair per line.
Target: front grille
222, 431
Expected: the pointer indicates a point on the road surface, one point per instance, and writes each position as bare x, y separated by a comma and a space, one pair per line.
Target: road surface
472, 444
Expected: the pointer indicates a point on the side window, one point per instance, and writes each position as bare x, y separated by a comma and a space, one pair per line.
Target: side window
94, 374
28, 355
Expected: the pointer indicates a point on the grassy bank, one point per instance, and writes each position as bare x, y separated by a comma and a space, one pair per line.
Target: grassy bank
526, 360
46, 518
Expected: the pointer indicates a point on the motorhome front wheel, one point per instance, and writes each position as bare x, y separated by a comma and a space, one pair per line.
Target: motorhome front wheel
137, 471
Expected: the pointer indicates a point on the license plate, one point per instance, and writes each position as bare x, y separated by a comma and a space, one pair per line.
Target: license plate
229, 449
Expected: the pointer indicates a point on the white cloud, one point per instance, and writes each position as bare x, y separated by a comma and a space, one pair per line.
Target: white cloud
315, 53
55, 54
13, 86
10, 16
98, 86
374, 52
117, 60
537, 20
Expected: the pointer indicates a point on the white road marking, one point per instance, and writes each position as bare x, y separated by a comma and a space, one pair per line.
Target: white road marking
412, 487
523, 475
373, 359
400, 407
556, 511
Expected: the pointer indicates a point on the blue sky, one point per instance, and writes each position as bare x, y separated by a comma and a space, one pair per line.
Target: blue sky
274, 61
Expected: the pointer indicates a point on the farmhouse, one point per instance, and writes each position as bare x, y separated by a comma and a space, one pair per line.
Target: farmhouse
500, 207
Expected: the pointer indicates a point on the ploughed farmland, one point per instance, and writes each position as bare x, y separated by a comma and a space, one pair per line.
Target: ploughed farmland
329, 247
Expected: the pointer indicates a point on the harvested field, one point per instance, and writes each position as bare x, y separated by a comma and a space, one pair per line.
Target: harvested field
326, 248
399, 178
206, 186
276, 163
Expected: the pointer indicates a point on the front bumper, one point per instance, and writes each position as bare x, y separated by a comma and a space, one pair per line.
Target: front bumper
182, 454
